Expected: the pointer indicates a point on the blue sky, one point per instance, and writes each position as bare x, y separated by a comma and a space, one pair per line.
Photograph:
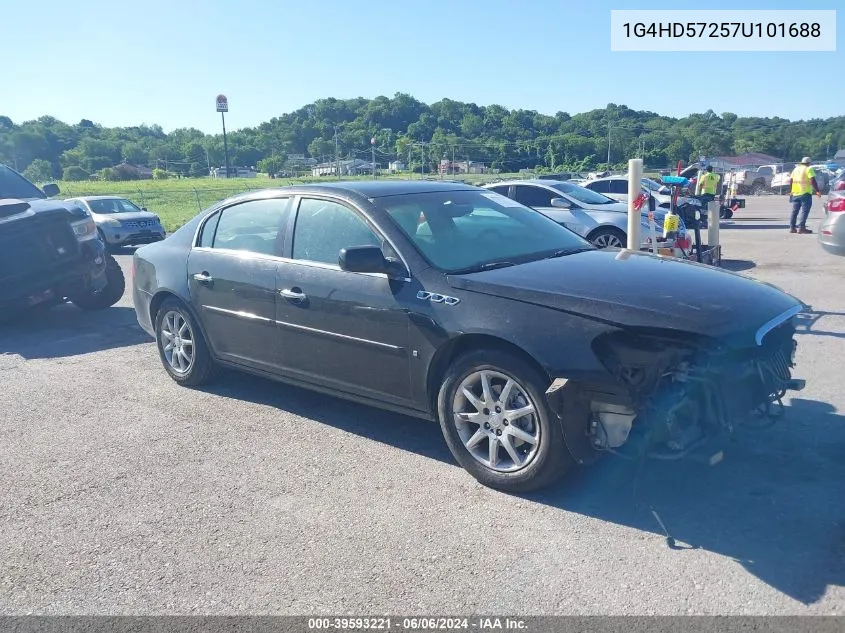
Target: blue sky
126, 63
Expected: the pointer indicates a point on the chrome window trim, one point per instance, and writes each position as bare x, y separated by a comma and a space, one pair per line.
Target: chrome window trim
286, 260
778, 320
295, 199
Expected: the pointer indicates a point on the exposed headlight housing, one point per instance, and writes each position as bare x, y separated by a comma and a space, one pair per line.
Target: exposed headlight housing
85, 229
112, 222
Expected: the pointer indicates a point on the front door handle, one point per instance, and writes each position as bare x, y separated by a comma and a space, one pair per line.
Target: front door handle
294, 294
203, 278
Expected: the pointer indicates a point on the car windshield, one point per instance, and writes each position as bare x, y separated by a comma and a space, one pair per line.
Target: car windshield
13, 185
582, 194
113, 205
648, 183
465, 231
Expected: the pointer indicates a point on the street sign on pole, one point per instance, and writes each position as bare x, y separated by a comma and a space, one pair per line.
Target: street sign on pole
222, 107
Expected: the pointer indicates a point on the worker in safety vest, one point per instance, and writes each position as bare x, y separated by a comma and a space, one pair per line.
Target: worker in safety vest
804, 184
707, 182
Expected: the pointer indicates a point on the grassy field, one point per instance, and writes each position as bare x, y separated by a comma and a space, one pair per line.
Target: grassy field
178, 200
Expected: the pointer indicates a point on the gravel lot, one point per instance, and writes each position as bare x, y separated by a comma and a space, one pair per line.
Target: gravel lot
124, 493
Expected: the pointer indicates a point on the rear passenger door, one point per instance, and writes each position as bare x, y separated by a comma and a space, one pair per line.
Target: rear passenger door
232, 280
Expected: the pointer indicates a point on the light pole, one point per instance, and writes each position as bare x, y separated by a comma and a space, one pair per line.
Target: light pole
373, 147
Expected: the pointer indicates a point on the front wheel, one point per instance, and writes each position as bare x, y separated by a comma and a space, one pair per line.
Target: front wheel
109, 295
606, 237
181, 345
498, 425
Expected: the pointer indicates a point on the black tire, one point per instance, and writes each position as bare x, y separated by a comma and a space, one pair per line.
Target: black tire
108, 296
203, 368
601, 236
109, 248
552, 459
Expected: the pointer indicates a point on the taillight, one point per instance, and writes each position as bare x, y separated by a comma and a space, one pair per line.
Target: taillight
839, 186
836, 205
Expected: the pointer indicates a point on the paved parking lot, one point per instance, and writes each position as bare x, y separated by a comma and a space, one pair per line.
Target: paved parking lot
124, 493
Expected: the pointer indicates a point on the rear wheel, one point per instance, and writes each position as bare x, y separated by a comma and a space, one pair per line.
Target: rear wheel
110, 294
497, 423
181, 345
607, 237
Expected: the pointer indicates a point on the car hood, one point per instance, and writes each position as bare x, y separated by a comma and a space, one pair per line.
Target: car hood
632, 289
20, 208
126, 217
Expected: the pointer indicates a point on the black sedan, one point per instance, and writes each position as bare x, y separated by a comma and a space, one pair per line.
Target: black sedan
533, 349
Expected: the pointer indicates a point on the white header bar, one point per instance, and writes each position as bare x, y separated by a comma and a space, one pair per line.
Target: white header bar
722, 30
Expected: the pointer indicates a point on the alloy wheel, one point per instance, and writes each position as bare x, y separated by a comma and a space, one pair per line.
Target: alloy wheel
177, 340
607, 240
497, 421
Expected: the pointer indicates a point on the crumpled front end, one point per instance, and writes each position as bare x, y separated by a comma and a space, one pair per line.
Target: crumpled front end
674, 393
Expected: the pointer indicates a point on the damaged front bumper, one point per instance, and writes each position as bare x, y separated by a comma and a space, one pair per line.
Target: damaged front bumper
671, 397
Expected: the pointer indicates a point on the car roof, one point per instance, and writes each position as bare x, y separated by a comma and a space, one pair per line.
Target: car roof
382, 188
531, 181
115, 197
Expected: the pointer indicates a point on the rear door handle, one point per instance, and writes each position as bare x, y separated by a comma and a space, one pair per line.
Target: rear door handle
294, 294
203, 278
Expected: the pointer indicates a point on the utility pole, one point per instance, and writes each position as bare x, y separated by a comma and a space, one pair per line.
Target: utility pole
336, 155
422, 158
373, 144
452, 164
608, 146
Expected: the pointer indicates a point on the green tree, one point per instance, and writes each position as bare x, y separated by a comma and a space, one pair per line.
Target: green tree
74, 173
271, 165
39, 170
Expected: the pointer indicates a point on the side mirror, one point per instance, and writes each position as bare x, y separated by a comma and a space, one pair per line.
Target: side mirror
365, 259
143, 208
561, 203
51, 189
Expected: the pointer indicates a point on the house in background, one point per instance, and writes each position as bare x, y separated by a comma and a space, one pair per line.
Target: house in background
235, 172
352, 167
462, 167
395, 166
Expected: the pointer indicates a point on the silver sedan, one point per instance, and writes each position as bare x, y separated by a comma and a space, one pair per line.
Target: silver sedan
594, 216
832, 228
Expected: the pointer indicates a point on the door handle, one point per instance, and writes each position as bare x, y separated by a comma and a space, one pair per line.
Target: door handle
294, 294
203, 278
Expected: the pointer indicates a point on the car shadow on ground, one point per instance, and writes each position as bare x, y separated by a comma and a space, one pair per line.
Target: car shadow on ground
773, 504
743, 225
65, 330
806, 323
737, 265
401, 431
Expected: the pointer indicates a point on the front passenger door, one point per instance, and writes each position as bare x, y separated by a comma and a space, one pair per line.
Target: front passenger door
345, 330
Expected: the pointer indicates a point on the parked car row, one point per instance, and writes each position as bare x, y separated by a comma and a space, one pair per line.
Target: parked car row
600, 219
532, 348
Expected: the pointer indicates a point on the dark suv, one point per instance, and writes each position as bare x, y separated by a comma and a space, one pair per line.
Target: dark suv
50, 251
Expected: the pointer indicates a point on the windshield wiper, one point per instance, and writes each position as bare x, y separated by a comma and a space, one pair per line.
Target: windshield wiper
477, 268
569, 251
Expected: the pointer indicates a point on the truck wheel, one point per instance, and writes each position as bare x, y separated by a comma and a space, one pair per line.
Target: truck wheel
108, 296
498, 424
